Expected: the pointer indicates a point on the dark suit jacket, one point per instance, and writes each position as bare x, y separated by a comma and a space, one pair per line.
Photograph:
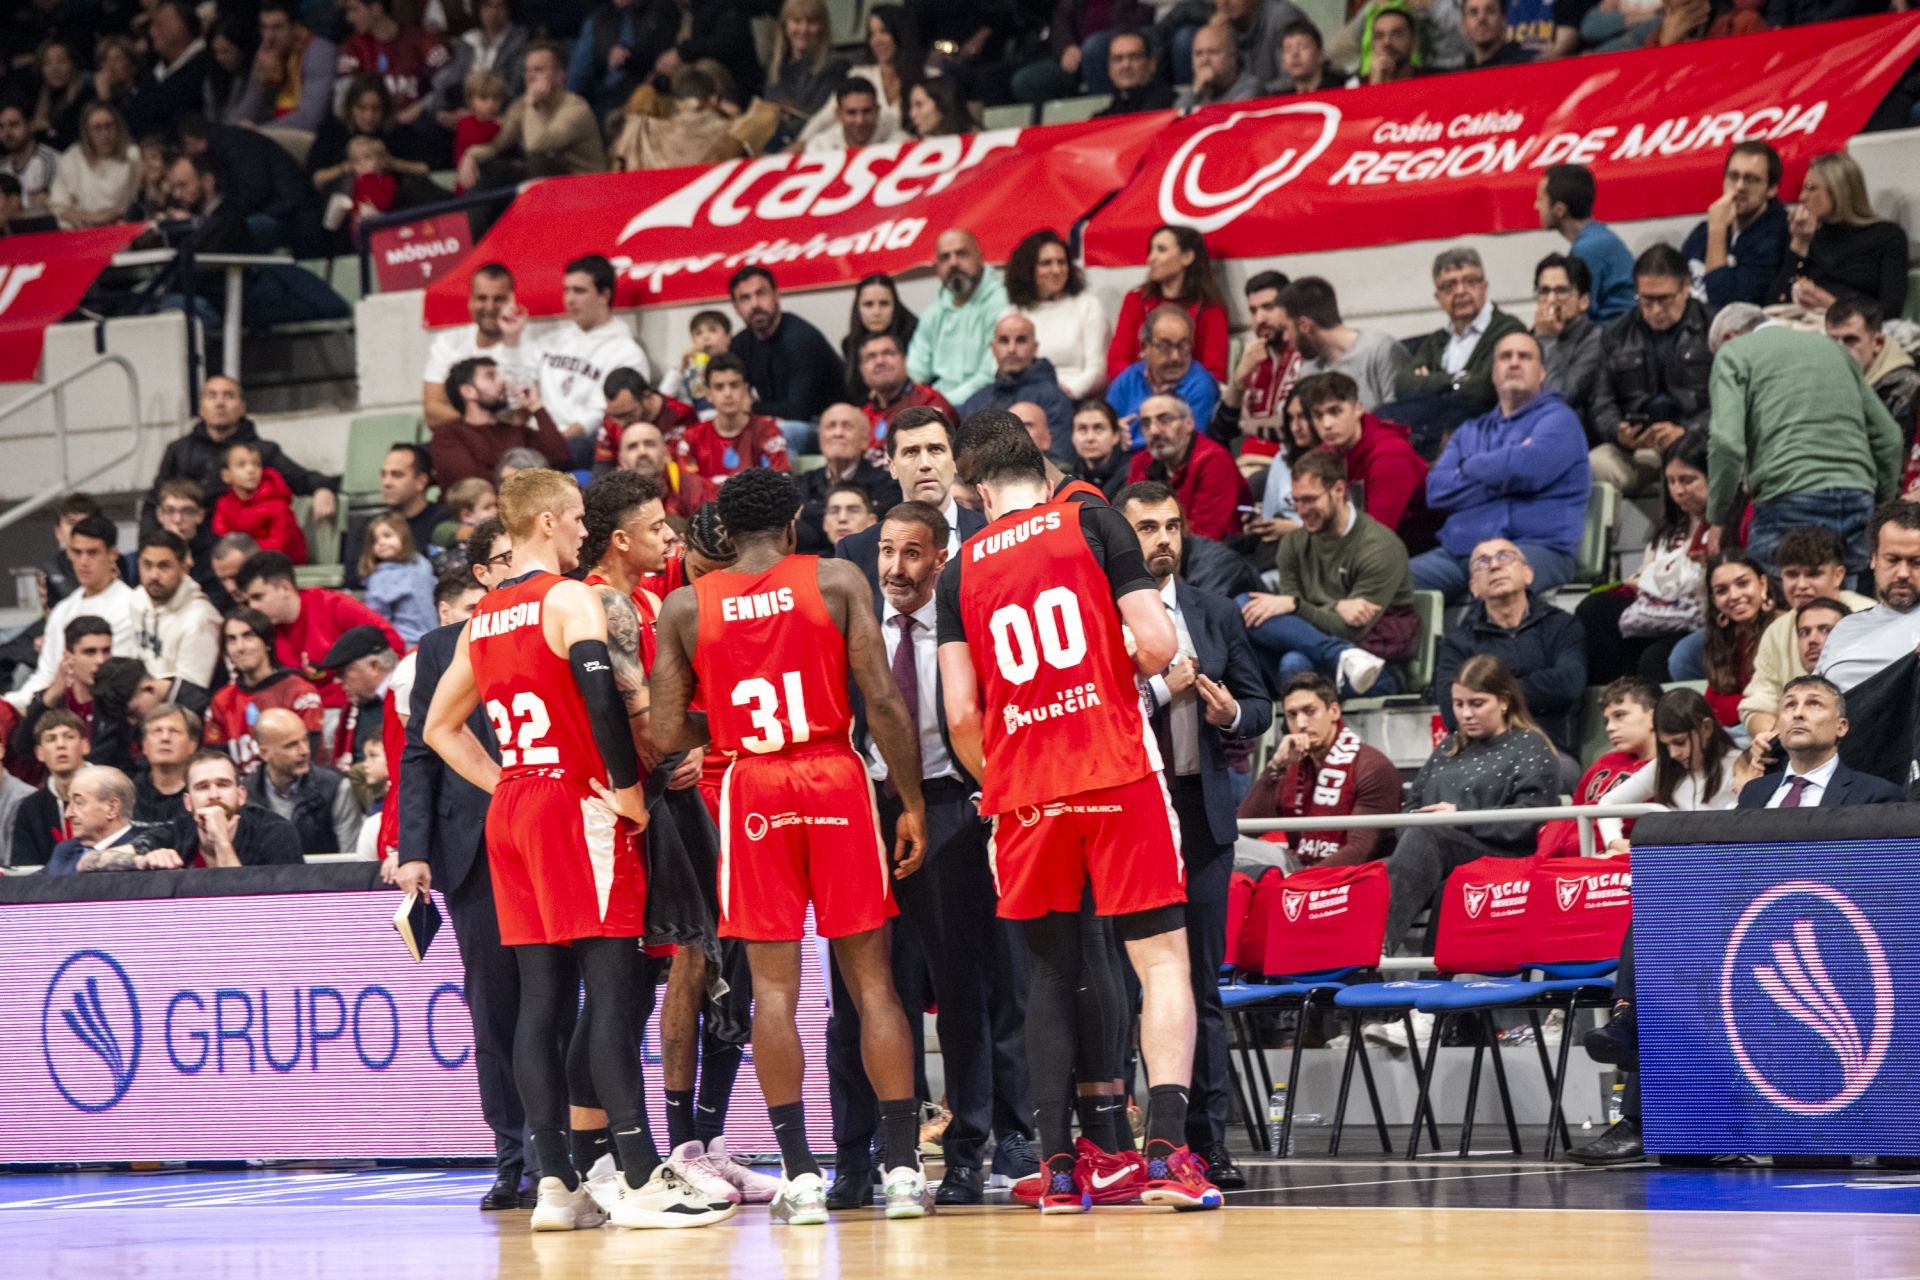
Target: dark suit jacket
879, 483
1224, 656
863, 548
65, 860
862, 740
1848, 786
443, 817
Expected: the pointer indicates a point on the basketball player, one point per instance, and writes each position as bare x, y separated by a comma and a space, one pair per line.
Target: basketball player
769, 643
1070, 773
556, 664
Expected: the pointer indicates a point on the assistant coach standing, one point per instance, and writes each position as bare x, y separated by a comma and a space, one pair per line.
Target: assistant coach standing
1213, 692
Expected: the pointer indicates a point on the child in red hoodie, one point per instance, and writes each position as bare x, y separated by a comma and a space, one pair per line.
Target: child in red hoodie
258, 503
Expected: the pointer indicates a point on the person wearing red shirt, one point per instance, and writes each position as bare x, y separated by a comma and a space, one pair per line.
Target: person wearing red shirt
404, 58
260, 683
1627, 707
883, 371
258, 503
1179, 273
1254, 401
1320, 769
306, 623
1199, 470
1387, 478
736, 438
644, 451
631, 399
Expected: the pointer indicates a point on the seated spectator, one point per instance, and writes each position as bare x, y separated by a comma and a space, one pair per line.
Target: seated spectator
406, 57
1540, 646
260, 683
227, 829
471, 445
1321, 769
696, 130
1741, 605
497, 332
1813, 622
364, 659
1794, 419
28, 160
98, 176
709, 334
1565, 203
1201, 473
56, 572
315, 799
14, 790
64, 92
60, 744
123, 692
262, 181
1870, 639
844, 437
615, 52
306, 623
514, 461
181, 511
1691, 771
951, 350
230, 46
1076, 53
1344, 607
1039, 430
470, 503
736, 437
794, 371
1519, 473
1303, 62
1813, 568
84, 645
1310, 320
848, 510
1022, 375
366, 111
1562, 290
173, 81
100, 804
1218, 75
201, 453
1636, 626
1813, 719
1167, 368
1734, 254
1179, 275
896, 61
934, 108
177, 627
1653, 382
1100, 453
1277, 517
876, 309
290, 84
1495, 758
1389, 44
229, 553
1451, 378
1859, 326
1483, 25
170, 735
1387, 479
406, 478
1069, 322
1627, 708
631, 400
644, 451
116, 70
14, 221
397, 578
545, 133
1837, 246
857, 121
100, 594
803, 73
258, 503
479, 122
1135, 74
1251, 400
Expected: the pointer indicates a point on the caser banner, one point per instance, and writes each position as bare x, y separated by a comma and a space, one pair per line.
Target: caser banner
42, 277
1464, 153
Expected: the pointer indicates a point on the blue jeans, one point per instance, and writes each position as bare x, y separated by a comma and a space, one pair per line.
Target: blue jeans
1288, 645
1436, 570
1688, 661
1845, 511
799, 435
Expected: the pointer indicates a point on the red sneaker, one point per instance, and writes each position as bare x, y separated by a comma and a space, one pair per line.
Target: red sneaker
1179, 1179
1065, 1192
1112, 1178
1027, 1190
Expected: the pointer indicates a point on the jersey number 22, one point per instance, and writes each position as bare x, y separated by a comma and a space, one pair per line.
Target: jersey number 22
524, 748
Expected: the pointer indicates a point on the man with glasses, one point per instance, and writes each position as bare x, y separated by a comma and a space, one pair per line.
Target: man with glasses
1451, 379
1654, 368
1734, 254
1562, 288
1137, 85
1196, 467
1165, 368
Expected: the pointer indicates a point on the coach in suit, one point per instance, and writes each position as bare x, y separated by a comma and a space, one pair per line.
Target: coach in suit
920, 456
443, 824
1213, 692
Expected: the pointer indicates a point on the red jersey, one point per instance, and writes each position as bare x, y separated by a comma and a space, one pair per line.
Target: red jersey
715, 457
674, 418
1032, 594
772, 664
325, 616
1561, 837
406, 64
527, 689
234, 710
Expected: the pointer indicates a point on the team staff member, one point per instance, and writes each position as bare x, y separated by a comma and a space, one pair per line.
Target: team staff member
797, 810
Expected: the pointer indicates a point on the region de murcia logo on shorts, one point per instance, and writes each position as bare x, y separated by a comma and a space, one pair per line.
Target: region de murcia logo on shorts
755, 825
1568, 892
1291, 900
1209, 181
1476, 899
1028, 814
90, 1030
1806, 998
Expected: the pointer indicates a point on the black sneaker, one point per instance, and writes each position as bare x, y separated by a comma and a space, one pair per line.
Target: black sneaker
1222, 1172
1620, 1144
1014, 1158
1618, 1043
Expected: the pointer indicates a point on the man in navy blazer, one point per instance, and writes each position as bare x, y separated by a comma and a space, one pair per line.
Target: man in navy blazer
920, 456
1813, 719
1212, 693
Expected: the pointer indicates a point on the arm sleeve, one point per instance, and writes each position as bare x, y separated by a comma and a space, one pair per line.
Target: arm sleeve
949, 626
920, 347
1637, 789
1884, 437
1448, 487
1757, 256
1603, 418
548, 440
1558, 687
419, 774
200, 648
1125, 347
1555, 445
593, 672
1893, 270
1535, 783
1408, 384
1244, 682
1455, 647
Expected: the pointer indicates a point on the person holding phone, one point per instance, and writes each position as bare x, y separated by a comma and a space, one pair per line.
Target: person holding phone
497, 332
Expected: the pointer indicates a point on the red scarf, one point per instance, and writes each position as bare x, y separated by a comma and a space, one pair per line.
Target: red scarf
1330, 795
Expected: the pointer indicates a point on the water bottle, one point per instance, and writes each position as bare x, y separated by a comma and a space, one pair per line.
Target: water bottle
1616, 1095
1277, 1118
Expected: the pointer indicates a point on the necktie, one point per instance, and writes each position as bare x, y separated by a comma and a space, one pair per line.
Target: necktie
906, 678
1796, 787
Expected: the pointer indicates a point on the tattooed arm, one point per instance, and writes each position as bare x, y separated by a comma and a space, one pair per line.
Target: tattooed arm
674, 726
623, 641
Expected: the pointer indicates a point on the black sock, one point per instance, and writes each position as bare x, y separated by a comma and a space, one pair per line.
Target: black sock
638, 1156
679, 1116
790, 1127
1053, 1126
900, 1132
550, 1148
1101, 1115
1166, 1118
719, 1068
588, 1145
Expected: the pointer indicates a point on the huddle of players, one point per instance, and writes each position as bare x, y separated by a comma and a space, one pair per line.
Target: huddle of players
1047, 620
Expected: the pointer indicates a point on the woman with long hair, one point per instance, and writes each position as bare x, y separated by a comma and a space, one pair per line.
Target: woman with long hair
803, 72
1741, 604
1496, 758
1692, 766
365, 112
1277, 517
116, 70
231, 44
1069, 322
99, 175
935, 108
64, 90
1837, 246
1100, 453
876, 309
1633, 628
1179, 273
896, 60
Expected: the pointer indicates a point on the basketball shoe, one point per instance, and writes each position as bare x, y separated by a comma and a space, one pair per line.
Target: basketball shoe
667, 1201
559, 1209
905, 1189
801, 1201
1179, 1179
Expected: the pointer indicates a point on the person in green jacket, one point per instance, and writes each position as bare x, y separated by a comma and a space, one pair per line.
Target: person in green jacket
952, 349
1451, 377
1796, 423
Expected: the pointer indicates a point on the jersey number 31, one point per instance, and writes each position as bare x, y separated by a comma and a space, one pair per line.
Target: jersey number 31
1054, 622
763, 701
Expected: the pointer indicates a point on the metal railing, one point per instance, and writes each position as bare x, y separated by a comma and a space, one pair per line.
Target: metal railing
56, 391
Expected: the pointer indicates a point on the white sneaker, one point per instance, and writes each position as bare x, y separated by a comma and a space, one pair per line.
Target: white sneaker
562, 1210
801, 1201
603, 1183
1394, 1034
1359, 670
667, 1201
906, 1192
694, 1164
753, 1186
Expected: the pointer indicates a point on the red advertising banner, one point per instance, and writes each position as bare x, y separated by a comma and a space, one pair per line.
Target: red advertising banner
675, 235
1464, 153
42, 277
415, 254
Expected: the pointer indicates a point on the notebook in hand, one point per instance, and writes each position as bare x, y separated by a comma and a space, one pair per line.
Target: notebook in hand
417, 921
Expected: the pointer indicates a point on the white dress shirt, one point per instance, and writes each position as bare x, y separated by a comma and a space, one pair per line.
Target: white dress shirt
1817, 779
952, 512
1185, 717
935, 762
1460, 344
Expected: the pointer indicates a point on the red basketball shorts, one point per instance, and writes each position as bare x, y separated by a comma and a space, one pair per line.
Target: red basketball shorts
796, 827
564, 865
1124, 841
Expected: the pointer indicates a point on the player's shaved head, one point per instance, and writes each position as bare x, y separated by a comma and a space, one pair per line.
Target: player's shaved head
531, 494
758, 501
